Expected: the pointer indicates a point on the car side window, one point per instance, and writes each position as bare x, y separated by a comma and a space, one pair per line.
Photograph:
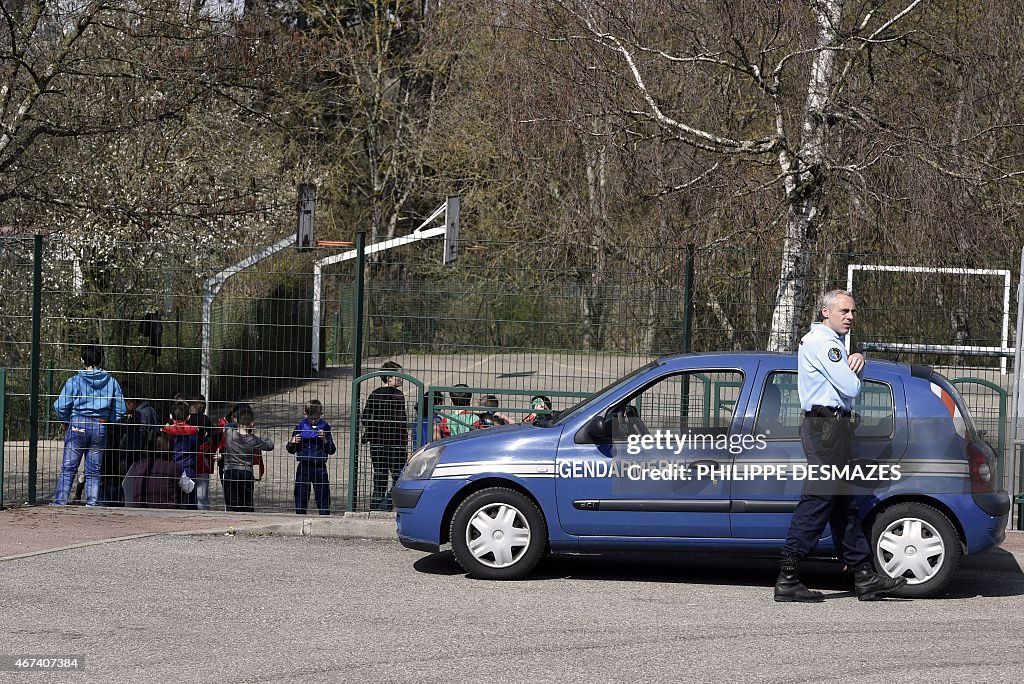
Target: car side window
778, 411
779, 414
696, 402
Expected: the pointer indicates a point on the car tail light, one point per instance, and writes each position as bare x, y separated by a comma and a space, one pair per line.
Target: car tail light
983, 472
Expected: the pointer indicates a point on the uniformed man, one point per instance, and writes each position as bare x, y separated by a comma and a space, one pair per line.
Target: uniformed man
828, 381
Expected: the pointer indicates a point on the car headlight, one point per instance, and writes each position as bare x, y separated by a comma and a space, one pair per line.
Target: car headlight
421, 465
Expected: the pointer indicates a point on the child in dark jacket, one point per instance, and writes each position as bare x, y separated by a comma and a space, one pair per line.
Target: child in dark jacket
155, 480
241, 446
140, 424
312, 443
186, 445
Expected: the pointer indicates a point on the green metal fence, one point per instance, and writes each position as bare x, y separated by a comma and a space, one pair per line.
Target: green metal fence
509, 318
3, 421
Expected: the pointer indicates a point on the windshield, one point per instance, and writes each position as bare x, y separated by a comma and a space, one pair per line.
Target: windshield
600, 394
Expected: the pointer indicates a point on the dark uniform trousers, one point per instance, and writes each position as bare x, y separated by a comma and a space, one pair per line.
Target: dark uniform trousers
824, 502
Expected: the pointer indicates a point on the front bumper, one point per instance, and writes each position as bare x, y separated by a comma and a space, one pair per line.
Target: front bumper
406, 498
419, 544
420, 506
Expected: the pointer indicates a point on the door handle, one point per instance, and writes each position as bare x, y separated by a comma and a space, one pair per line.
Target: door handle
705, 462
714, 469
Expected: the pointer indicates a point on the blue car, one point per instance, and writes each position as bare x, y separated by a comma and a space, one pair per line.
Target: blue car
702, 452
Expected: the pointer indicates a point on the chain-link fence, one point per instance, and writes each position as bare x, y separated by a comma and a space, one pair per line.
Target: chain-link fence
510, 320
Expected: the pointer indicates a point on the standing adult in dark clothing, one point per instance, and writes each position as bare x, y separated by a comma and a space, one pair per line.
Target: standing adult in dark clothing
386, 430
828, 381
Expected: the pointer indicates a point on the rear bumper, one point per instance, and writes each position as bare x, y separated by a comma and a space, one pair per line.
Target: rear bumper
989, 537
985, 526
993, 503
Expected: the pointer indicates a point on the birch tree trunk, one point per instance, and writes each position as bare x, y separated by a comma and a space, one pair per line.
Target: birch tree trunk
803, 183
591, 305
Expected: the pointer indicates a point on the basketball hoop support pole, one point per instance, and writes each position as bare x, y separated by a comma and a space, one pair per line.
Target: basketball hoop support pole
210, 289
419, 234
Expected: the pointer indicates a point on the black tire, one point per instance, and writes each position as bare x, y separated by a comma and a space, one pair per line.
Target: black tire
516, 519
919, 539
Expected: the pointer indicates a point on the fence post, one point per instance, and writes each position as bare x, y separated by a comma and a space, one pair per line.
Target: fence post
357, 369
49, 393
353, 446
688, 300
1019, 498
357, 323
3, 418
337, 334
33, 410
684, 404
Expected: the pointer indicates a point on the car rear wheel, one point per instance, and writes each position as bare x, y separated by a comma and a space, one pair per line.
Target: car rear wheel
498, 534
916, 542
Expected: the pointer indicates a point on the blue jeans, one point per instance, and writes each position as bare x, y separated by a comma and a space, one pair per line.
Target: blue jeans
85, 437
203, 492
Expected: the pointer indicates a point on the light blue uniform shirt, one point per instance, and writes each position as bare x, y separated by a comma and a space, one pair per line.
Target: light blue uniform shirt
824, 377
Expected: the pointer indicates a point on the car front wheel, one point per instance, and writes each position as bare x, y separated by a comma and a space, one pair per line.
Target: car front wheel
498, 534
916, 542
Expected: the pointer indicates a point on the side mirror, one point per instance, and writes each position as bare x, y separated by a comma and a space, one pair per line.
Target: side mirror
599, 429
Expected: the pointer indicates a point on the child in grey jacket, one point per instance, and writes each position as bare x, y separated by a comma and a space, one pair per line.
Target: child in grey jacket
240, 446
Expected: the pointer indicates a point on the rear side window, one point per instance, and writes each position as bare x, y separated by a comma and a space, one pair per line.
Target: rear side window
876, 409
955, 404
779, 414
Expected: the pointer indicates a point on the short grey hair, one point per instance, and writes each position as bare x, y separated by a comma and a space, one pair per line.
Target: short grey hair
829, 298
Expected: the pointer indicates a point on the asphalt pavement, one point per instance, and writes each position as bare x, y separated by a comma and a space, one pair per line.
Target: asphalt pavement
245, 603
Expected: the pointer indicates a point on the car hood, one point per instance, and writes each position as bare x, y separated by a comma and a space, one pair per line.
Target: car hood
505, 443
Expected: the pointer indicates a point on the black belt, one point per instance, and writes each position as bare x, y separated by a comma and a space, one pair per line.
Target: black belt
827, 411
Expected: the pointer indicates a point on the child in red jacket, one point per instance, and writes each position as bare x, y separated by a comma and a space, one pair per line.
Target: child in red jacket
186, 445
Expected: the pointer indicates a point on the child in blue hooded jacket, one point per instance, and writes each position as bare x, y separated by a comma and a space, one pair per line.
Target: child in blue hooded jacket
312, 443
89, 401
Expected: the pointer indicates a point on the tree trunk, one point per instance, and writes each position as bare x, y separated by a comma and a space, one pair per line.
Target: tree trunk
803, 182
791, 295
591, 304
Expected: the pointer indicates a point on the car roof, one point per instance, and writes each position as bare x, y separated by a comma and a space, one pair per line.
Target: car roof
782, 360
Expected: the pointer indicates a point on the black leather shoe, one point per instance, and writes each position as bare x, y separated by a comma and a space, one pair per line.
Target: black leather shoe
789, 588
869, 585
